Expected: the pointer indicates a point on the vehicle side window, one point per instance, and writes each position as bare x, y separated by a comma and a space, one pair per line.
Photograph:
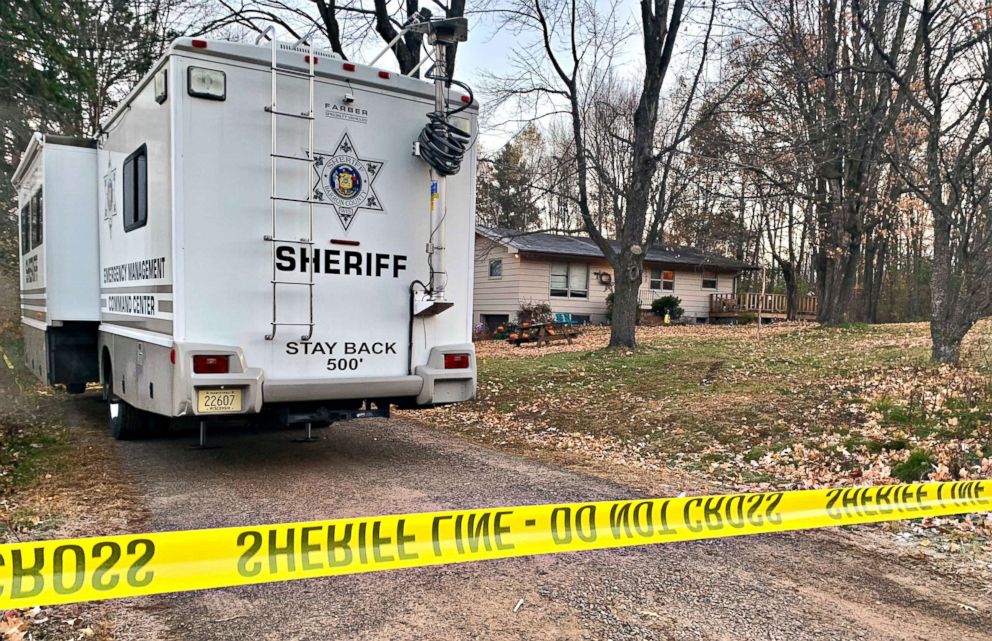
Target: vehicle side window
38, 220
26, 228
32, 223
136, 189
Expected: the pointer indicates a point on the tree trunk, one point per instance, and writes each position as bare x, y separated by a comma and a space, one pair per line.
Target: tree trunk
627, 272
791, 291
947, 321
947, 336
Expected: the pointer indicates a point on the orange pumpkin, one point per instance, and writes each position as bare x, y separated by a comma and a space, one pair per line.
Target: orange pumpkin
513, 337
525, 325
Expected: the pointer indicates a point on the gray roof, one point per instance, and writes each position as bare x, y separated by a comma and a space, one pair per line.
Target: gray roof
585, 247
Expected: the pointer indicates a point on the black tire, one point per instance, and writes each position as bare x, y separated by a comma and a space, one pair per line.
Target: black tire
127, 422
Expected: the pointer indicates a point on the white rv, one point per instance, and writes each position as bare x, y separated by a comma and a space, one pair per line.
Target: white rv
251, 231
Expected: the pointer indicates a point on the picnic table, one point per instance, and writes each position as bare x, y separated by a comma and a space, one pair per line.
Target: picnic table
544, 333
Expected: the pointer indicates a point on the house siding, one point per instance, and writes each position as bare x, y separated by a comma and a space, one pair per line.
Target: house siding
535, 287
495, 295
527, 280
689, 288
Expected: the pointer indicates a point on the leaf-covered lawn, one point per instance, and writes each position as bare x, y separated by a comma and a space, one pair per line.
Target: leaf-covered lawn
801, 406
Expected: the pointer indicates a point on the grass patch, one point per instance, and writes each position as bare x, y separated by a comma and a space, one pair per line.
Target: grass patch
916, 468
721, 400
29, 451
757, 453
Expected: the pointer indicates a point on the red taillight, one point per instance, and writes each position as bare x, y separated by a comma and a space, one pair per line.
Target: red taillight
199, 44
315, 59
348, 66
384, 74
206, 364
172, 356
466, 99
456, 361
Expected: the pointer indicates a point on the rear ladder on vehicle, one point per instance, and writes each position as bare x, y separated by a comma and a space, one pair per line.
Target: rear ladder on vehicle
276, 157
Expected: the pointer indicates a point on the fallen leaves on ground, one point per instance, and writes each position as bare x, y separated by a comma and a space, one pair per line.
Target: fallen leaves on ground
42, 624
798, 407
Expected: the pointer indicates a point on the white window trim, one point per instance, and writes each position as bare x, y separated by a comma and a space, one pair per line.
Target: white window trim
661, 280
568, 280
491, 263
715, 279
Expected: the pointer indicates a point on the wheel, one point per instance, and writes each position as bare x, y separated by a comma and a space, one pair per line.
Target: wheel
127, 422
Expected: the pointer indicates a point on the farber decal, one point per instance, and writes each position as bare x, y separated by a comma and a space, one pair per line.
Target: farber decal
346, 112
344, 181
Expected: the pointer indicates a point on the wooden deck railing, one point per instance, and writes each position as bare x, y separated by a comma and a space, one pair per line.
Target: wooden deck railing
772, 305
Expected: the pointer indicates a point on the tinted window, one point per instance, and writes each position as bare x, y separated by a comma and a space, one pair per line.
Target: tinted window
136, 189
37, 220
26, 228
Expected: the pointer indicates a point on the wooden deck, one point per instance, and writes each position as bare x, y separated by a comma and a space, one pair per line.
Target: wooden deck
770, 306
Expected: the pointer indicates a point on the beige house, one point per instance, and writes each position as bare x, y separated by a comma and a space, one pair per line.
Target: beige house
570, 274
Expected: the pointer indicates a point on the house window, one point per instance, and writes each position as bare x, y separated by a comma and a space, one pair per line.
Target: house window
494, 321
496, 268
570, 280
135, 176
662, 279
709, 280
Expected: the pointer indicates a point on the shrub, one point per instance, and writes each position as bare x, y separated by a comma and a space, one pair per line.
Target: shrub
747, 318
671, 305
609, 309
916, 468
534, 313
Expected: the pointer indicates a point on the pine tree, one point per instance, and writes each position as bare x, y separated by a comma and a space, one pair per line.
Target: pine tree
506, 196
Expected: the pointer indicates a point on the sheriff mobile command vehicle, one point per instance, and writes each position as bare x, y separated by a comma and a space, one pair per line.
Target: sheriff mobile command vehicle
258, 227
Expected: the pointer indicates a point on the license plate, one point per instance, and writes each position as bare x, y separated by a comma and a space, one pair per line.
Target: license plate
212, 401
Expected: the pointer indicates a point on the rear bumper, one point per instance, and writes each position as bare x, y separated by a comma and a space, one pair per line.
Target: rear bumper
287, 390
430, 384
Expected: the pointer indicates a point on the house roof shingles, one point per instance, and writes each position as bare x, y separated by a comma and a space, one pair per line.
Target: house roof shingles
585, 247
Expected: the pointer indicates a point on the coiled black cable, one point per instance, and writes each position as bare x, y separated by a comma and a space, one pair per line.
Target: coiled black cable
442, 144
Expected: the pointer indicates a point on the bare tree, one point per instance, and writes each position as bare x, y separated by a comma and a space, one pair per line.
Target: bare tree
848, 107
563, 72
951, 101
346, 24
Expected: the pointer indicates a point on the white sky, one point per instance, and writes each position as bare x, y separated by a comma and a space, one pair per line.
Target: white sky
488, 49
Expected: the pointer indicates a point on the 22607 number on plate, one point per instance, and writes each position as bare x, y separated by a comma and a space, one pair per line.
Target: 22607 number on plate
210, 401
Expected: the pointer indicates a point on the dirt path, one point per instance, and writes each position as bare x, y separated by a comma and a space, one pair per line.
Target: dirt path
822, 585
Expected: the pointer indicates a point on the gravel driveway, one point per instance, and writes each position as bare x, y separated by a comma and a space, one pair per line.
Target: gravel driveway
814, 585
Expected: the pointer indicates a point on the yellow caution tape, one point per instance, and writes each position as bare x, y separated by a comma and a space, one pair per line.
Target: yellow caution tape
52, 572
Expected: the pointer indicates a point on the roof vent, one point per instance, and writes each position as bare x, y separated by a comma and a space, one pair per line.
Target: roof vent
285, 46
